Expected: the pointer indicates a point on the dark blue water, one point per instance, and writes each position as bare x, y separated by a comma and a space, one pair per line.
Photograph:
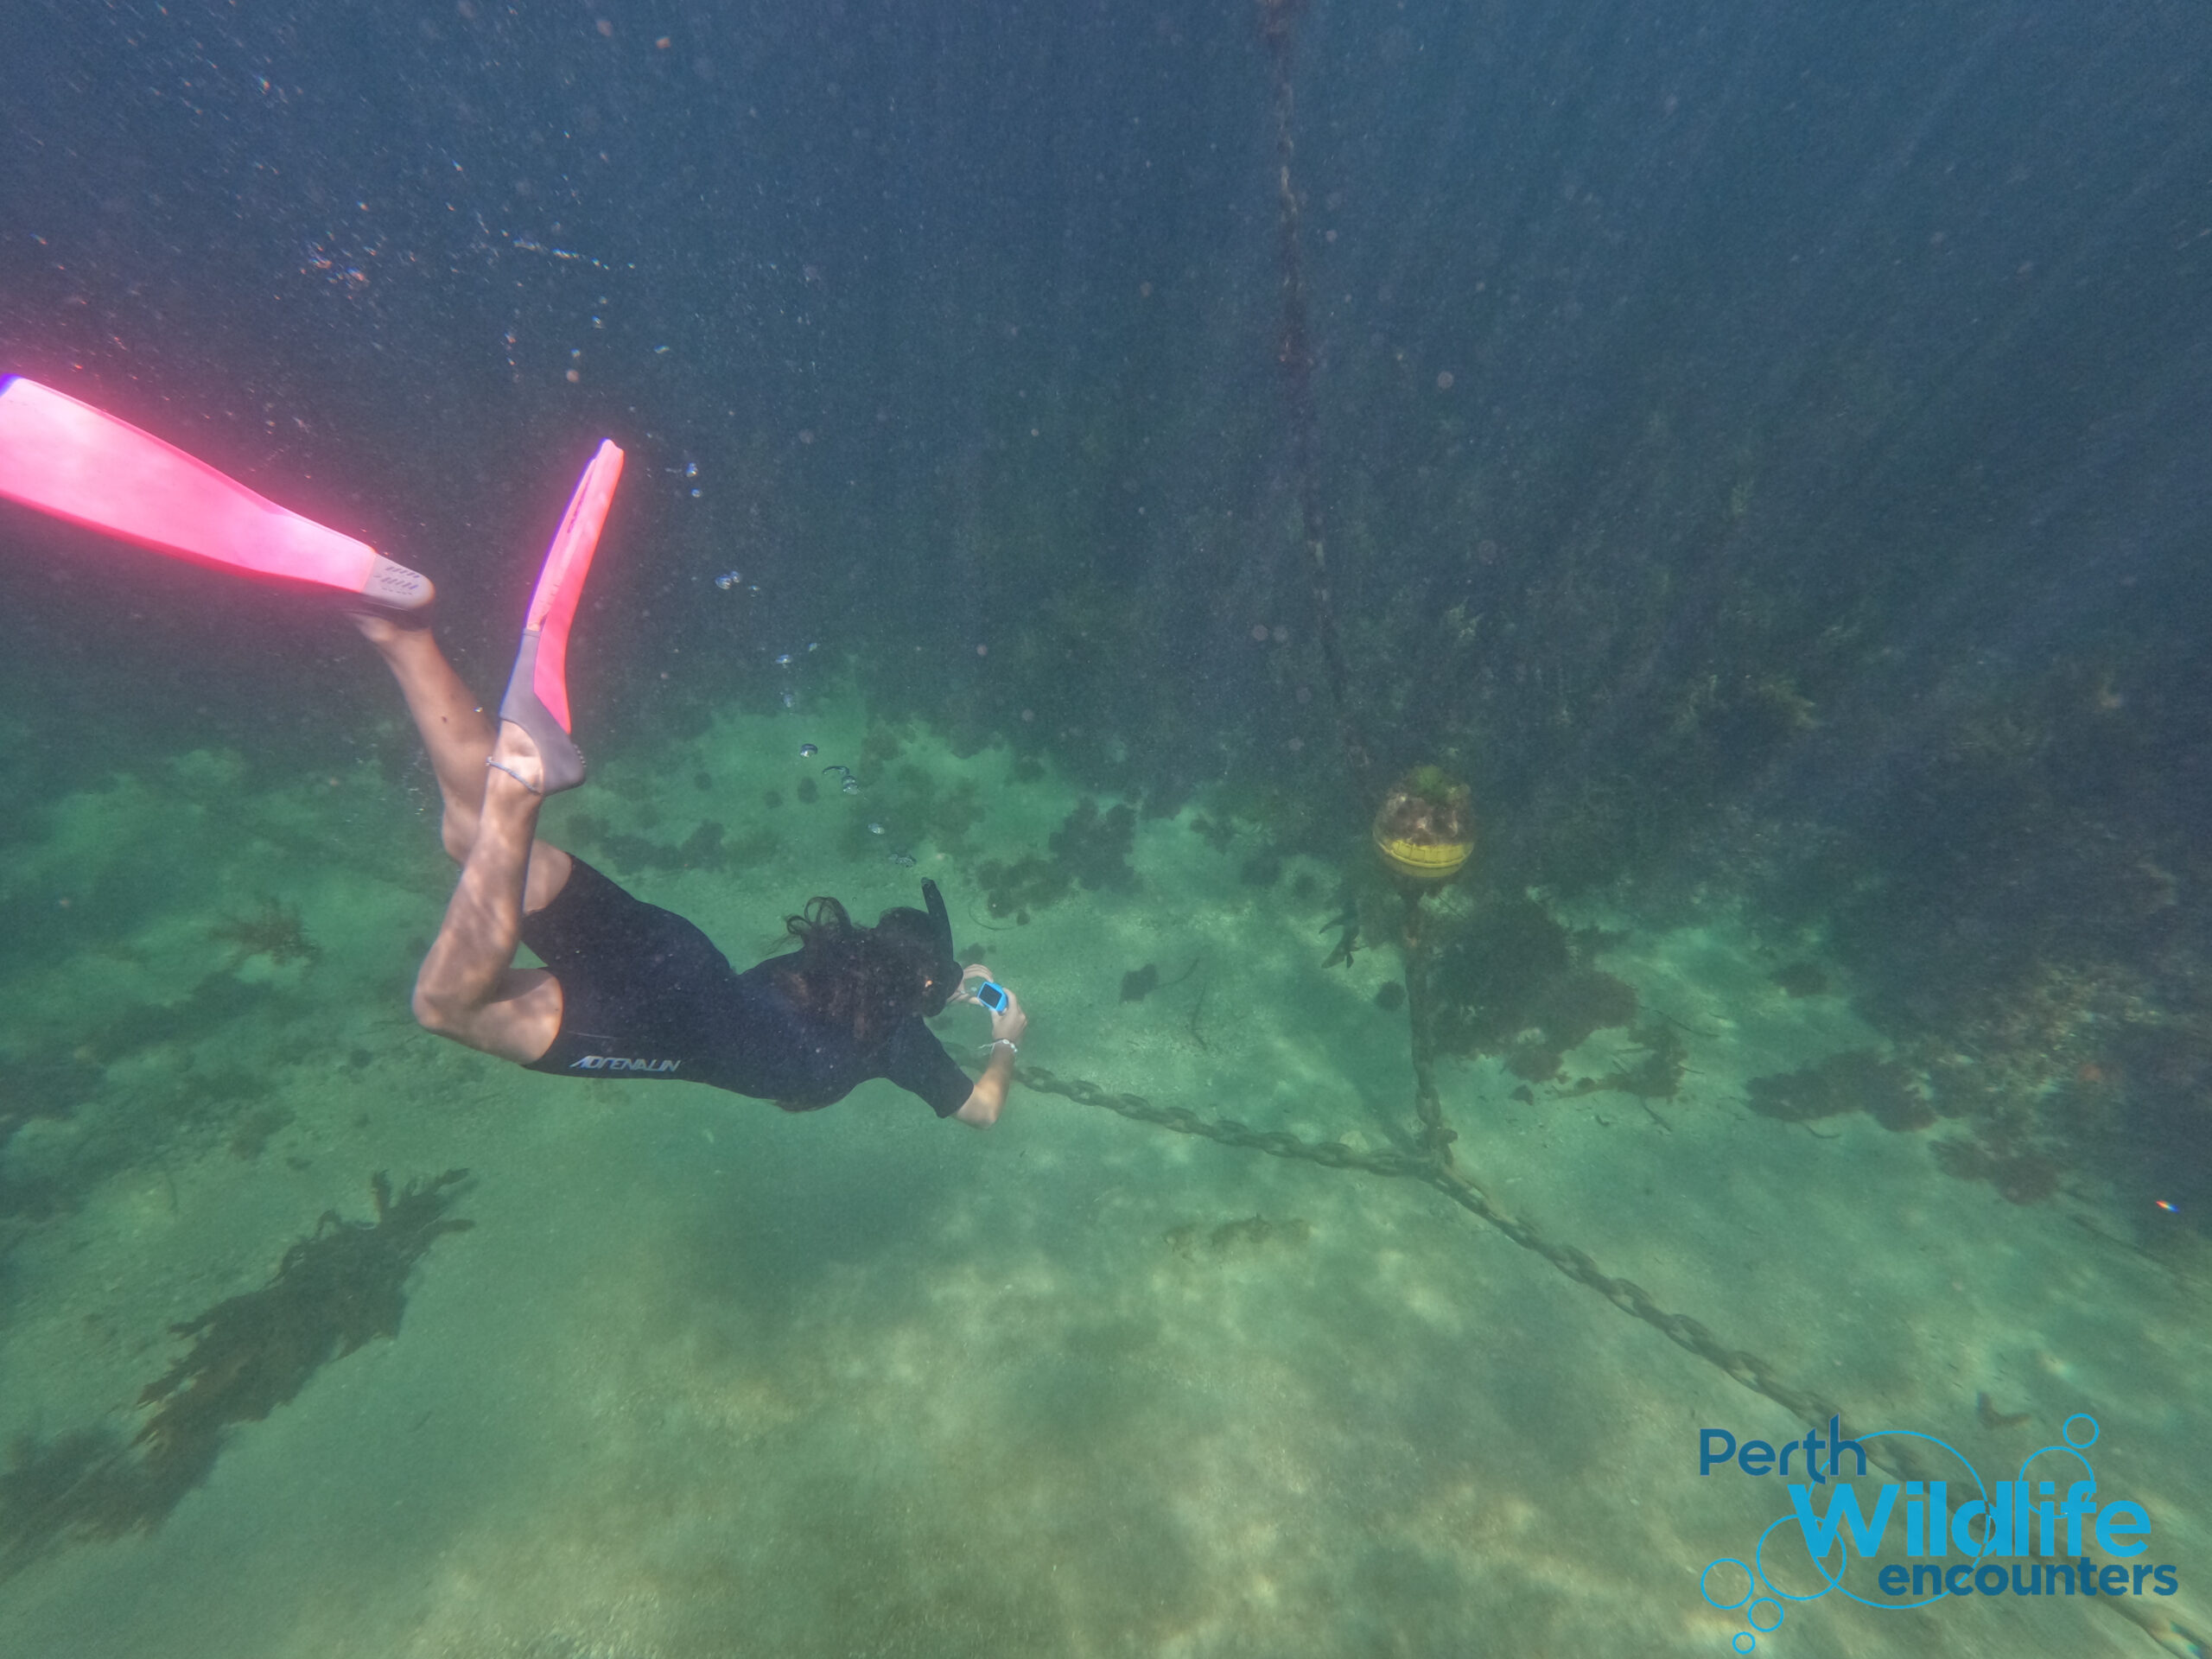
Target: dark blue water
1852, 350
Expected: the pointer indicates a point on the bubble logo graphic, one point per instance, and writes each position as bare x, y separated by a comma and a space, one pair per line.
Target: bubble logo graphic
1950, 1553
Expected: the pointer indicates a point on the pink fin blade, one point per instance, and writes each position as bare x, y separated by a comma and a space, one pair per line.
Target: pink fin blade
561, 584
79, 463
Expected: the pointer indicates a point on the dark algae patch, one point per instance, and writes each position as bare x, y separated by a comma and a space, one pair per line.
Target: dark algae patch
1217, 835
342, 1286
274, 931
1514, 981
1856, 1081
914, 807
1024, 884
1091, 847
1656, 1076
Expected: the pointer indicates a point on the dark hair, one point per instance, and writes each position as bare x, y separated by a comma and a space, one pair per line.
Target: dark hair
866, 978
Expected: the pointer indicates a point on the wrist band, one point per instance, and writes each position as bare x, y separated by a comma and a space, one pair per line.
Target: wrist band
1007, 1043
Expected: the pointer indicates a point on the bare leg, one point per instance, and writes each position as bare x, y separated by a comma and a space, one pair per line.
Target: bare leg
469, 988
458, 736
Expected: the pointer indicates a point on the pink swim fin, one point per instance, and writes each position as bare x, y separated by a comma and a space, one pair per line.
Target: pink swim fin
76, 462
537, 691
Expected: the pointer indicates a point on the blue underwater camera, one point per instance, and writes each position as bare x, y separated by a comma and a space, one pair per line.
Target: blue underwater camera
992, 996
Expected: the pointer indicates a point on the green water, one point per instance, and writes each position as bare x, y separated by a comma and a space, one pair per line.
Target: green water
705, 1378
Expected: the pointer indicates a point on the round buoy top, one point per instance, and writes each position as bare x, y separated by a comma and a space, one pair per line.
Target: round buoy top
1425, 829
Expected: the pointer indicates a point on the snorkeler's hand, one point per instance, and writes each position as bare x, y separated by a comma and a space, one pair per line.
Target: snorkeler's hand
974, 971
1009, 1024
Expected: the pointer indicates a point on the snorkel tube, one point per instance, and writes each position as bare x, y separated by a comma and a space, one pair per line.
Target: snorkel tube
941, 927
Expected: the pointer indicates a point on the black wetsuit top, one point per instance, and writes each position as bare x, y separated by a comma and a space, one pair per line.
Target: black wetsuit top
645, 994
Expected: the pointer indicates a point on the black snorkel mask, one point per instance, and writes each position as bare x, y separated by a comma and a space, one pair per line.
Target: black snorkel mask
947, 975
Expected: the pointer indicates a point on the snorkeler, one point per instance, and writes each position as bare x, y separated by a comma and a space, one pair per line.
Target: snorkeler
628, 990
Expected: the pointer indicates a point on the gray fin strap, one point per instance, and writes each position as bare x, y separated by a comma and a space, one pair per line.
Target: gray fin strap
564, 762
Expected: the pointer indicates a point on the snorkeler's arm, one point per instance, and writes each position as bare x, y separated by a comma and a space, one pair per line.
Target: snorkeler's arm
988, 1099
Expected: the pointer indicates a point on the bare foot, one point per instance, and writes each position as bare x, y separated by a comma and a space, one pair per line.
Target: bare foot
380, 629
377, 628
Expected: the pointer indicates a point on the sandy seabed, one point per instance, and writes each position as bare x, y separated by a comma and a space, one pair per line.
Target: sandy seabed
708, 1379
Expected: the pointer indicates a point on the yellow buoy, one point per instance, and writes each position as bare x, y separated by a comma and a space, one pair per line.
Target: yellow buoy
1425, 829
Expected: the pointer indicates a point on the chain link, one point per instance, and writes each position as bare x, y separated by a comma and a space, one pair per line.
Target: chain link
1899, 1459
1744, 1368
1334, 1154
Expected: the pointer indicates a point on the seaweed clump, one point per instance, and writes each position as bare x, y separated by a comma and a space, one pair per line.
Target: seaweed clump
1091, 847
1854, 1081
1658, 1075
274, 931
1029, 882
1218, 835
1514, 982
334, 1290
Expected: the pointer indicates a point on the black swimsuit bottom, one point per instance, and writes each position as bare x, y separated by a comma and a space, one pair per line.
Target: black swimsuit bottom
645, 994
